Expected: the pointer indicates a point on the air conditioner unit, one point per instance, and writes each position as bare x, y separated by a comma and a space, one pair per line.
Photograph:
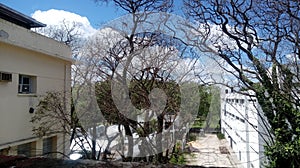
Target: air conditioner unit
5, 77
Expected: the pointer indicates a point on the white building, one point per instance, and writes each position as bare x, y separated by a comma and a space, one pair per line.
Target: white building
244, 127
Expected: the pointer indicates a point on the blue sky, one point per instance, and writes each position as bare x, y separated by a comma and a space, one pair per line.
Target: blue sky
97, 14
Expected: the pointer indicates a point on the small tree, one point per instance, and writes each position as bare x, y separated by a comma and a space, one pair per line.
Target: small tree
51, 109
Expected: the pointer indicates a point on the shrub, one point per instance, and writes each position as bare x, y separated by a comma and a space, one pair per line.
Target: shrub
220, 135
192, 137
177, 155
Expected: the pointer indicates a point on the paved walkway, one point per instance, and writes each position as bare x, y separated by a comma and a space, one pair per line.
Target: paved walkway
207, 153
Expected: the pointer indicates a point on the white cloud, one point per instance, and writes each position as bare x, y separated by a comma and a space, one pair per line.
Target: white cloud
54, 17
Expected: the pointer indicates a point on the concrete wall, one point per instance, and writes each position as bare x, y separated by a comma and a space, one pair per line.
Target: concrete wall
241, 127
24, 38
25, 52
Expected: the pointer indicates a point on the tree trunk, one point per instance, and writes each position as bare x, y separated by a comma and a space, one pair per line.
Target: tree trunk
94, 137
160, 122
130, 143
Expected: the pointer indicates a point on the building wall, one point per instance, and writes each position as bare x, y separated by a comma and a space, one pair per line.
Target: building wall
24, 38
26, 53
241, 127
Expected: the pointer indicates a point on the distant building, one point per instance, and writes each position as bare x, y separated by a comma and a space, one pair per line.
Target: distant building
244, 127
30, 65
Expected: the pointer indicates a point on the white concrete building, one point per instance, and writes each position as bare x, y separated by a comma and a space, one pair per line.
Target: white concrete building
244, 127
30, 65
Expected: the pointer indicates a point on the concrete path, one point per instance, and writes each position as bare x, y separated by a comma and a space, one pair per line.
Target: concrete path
207, 153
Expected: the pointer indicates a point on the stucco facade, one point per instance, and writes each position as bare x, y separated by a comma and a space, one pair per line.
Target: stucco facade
34, 64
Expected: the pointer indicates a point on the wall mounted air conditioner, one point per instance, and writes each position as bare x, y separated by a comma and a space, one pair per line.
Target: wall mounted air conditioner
5, 77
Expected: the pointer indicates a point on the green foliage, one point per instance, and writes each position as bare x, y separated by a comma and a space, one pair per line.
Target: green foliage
209, 107
220, 136
205, 101
204, 106
105, 103
173, 159
198, 123
139, 91
139, 95
213, 117
177, 156
192, 137
280, 154
181, 159
283, 151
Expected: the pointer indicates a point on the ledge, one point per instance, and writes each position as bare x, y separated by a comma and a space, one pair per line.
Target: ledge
24, 38
27, 95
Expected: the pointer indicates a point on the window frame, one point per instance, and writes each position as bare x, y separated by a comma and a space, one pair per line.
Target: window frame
31, 84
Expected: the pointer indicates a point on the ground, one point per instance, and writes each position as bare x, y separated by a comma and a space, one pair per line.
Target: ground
209, 151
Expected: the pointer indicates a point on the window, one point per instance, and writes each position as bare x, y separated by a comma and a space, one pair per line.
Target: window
4, 151
49, 146
27, 84
26, 149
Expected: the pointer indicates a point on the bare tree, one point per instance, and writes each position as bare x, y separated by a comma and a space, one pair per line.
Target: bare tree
147, 57
153, 60
128, 45
66, 32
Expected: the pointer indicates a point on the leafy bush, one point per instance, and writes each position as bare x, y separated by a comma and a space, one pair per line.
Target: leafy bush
192, 137
220, 135
198, 123
177, 155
